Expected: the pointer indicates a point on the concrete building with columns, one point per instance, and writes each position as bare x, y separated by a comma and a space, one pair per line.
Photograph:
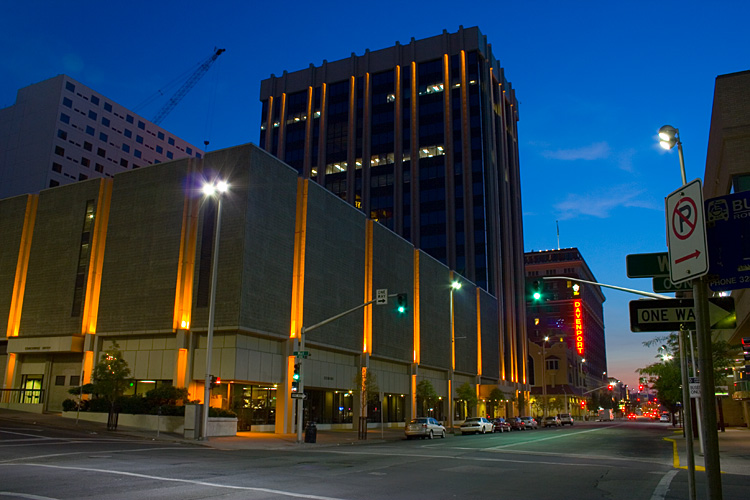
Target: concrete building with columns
421, 137
127, 260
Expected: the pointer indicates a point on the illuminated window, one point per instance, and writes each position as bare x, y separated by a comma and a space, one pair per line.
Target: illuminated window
79, 290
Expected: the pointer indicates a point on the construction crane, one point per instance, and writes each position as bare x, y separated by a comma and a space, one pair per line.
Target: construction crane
186, 87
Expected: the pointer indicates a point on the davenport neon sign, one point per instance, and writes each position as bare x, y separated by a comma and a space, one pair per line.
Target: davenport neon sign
578, 322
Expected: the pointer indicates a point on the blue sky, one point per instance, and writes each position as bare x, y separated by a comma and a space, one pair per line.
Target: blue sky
594, 80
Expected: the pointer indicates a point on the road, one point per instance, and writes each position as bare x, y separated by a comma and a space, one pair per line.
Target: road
613, 460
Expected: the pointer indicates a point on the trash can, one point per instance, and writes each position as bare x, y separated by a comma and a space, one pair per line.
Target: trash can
311, 432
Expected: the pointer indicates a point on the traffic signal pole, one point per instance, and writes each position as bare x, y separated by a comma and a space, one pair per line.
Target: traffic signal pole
303, 331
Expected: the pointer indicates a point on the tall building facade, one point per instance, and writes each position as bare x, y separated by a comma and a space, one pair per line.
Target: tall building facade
60, 131
567, 313
728, 172
421, 138
129, 260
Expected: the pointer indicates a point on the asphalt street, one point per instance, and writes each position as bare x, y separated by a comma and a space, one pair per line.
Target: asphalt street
617, 460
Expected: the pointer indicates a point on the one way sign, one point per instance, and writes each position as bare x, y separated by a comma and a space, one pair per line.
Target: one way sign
666, 315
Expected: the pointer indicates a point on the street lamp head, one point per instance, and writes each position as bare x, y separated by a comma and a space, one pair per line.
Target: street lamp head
456, 285
668, 136
211, 188
546, 339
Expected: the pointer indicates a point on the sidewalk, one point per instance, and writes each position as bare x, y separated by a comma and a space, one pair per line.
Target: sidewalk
243, 440
734, 451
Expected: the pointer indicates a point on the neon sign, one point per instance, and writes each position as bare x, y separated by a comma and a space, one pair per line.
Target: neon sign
578, 322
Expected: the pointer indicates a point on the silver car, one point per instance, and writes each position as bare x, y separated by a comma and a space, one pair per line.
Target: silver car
529, 422
476, 425
424, 427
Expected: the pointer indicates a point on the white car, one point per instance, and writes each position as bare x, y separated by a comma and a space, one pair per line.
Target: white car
424, 427
665, 418
476, 425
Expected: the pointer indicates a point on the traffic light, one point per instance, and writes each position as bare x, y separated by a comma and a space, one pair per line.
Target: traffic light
536, 292
583, 404
401, 303
611, 387
214, 381
640, 388
295, 378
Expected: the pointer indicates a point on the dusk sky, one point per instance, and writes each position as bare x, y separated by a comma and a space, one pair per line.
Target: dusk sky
594, 81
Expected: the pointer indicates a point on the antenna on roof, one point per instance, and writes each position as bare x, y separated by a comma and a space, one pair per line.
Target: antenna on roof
558, 234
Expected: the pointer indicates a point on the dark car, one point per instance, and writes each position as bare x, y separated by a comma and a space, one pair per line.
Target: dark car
552, 421
501, 425
517, 424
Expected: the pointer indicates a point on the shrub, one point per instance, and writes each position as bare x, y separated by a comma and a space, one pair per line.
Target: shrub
218, 412
69, 405
166, 395
131, 404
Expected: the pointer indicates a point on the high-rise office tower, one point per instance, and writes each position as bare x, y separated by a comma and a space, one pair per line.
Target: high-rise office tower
567, 312
421, 137
60, 131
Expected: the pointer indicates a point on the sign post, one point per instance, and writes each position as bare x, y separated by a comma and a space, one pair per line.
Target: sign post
686, 233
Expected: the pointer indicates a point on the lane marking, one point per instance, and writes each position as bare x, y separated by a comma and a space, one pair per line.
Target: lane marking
24, 495
676, 457
70, 454
484, 459
660, 492
557, 436
186, 481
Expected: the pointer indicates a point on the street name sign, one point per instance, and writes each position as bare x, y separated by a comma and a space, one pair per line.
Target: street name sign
728, 235
299, 395
662, 284
647, 265
686, 233
666, 315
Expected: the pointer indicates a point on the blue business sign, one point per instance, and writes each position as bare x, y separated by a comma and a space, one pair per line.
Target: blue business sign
728, 235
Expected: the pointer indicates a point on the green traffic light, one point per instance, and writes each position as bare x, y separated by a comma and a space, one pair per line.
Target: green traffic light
537, 295
401, 303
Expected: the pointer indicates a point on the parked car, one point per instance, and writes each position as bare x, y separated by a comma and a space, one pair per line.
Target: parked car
665, 418
476, 425
552, 421
565, 418
501, 425
530, 423
517, 424
424, 427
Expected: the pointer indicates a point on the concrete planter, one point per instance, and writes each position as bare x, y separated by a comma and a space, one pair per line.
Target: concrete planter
143, 422
217, 426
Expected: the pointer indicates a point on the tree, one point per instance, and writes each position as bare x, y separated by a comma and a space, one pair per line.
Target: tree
665, 375
427, 398
110, 374
467, 393
496, 398
366, 385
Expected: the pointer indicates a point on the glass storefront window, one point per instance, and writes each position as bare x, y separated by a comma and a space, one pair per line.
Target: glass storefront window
254, 405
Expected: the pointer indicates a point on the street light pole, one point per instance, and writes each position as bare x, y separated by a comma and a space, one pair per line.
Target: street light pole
669, 137
544, 376
209, 190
